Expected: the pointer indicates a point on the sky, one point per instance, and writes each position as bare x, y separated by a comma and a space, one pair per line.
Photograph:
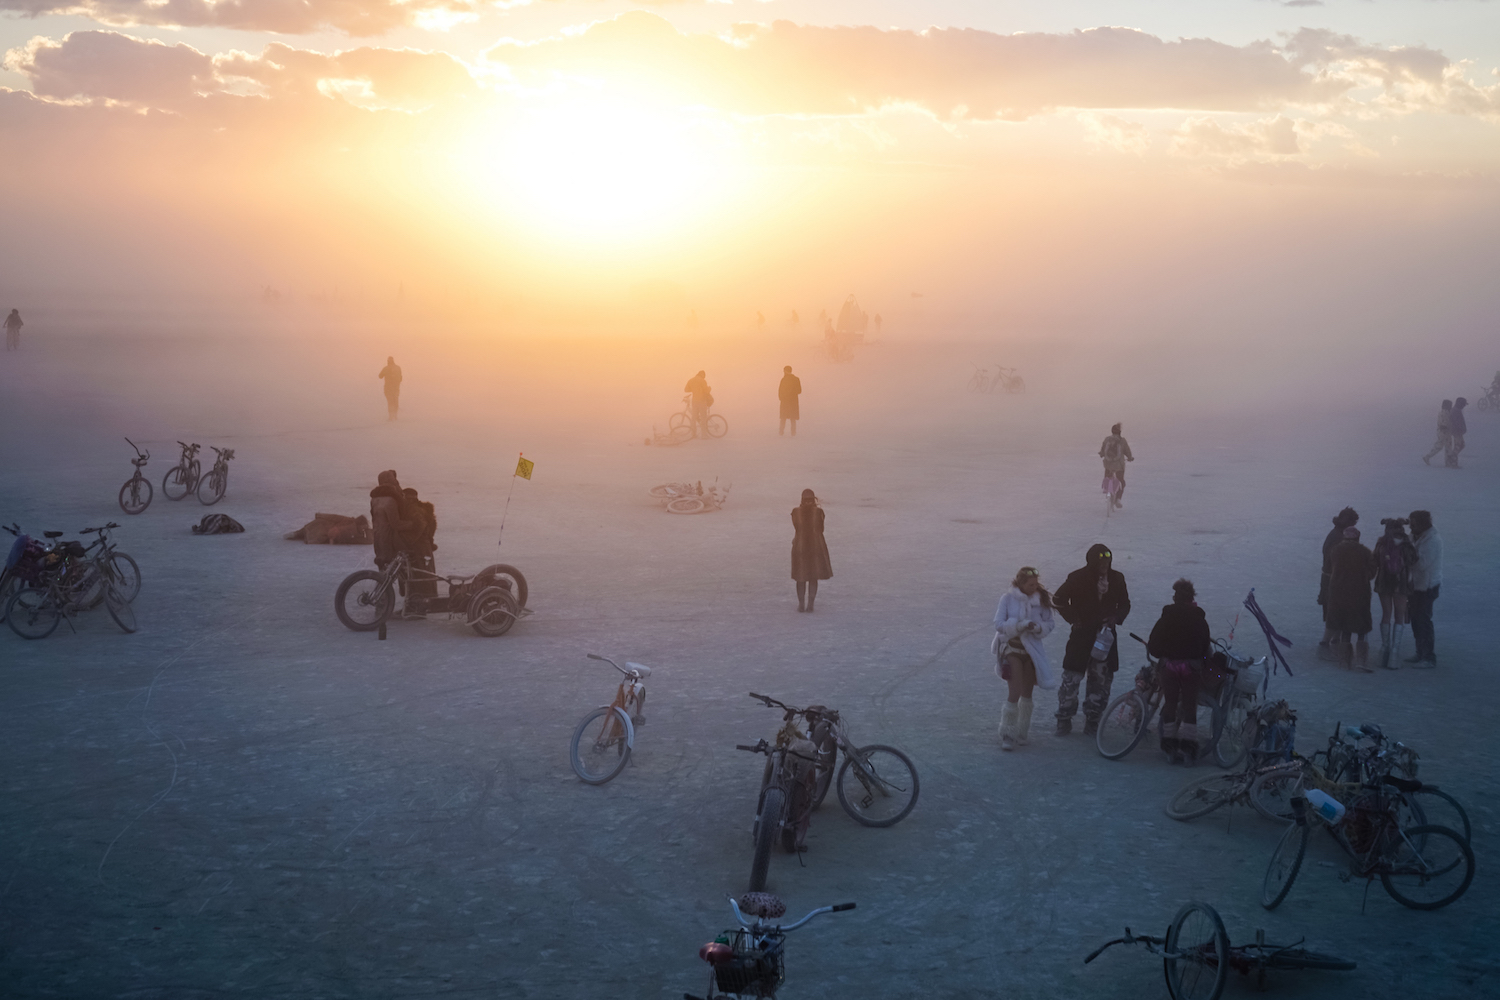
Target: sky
1148, 169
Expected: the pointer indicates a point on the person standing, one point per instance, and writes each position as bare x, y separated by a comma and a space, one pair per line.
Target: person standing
703, 398
1349, 600
1116, 452
1181, 642
1093, 600
1022, 621
1457, 428
1426, 578
1346, 518
391, 373
1395, 555
810, 562
1441, 444
788, 391
13, 326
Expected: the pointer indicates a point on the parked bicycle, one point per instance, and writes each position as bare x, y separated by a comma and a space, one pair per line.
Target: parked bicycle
604, 739
135, 495
1007, 379
749, 960
681, 425
182, 478
1197, 956
215, 482
980, 380
71, 578
489, 602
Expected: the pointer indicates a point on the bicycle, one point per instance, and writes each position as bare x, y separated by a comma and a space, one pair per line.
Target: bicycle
1007, 379
1111, 489
980, 380
182, 478
682, 425
216, 481
1273, 764
749, 961
113, 564
703, 501
131, 499
1410, 861
490, 602
69, 582
1197, 956
605, 737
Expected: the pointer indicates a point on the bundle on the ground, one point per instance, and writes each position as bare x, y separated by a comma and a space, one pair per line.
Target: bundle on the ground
333, 529
218, 524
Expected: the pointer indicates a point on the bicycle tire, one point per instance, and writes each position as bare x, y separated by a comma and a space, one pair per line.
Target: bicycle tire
667, 491
716, 426
1431, 837
1236, 734
767, 822
828, 757
127, 574
596, 764
130, 495
492, 612
1301, 958
796, 807
1201, 797
1286, 861
177, 480
32, 613
1467, 830
687, 505
1201, 976
1016, 387
491, 575
1123, 725
119, 609
678, 422
1272, 792
868, 772
217, 484
378, 612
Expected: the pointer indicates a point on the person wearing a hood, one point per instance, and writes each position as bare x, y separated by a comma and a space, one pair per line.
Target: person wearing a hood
1022, 621
810, 562
1181, 643
1426, 578
386, 504
1395, 555
1346, 518
1445, 416
1349, 599
1092, 599
1457, 428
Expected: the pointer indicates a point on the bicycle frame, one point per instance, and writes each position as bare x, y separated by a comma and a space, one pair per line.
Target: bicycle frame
630, 698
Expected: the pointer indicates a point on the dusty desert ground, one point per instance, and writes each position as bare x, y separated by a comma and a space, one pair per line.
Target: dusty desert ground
247, 799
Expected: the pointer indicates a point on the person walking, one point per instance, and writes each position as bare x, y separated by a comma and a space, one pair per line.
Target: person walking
1094, 601
391, 373
703, 398
1022, 620
1395, 555
1426, 578
1457, 428
13, 326
1346, 518
1116, 452
788, 391
1181, 642
1441, 444
1349, 600
810, 561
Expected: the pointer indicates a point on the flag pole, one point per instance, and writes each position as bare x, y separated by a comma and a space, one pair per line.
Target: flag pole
499, 541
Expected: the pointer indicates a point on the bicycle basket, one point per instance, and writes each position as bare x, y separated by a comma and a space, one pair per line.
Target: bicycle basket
1249, 677
752, 971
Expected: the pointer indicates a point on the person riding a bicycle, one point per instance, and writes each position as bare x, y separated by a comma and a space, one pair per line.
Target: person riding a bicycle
1116, 452
703, 398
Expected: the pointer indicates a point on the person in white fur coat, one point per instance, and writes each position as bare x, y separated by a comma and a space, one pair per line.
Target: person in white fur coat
1022, 621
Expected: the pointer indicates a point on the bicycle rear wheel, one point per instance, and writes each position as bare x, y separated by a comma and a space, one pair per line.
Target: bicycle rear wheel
1286, 861
1236, 735
601, 745
717, 426
1431, 867
126, 573
1441, 809
1301, 958
177, 483
1197, 936
1271, 794
33, 613
878, 785
492, 612
497, 575
119, 608
1201, 797
686, 505
135, 495
1123, 724
211, 487
767, 824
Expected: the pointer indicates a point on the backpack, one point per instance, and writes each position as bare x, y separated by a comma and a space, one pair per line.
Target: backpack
1112, 449
1393, 559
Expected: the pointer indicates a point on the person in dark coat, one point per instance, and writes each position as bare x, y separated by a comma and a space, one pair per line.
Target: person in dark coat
1457, 428
788, 391
810, 561
1090, 599
386, 502
1348, 604
419, 545
1181, 643
1346, 518
391, 373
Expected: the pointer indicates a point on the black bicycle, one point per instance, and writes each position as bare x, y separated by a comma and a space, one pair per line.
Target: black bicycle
135, 495
748, 960
182, 478
215, 482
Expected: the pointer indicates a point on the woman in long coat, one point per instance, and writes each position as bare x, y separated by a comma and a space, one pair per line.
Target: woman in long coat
1348, 604
810, 561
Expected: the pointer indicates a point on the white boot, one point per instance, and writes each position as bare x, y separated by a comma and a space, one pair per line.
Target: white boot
1393, 662
1023, 720
1007, 726
1385, 644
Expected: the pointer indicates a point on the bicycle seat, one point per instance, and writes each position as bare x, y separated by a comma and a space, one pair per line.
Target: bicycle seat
637, 670
139, 462
762, 904
52, 534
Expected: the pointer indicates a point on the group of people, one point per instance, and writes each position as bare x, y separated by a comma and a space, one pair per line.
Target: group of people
402, 521
1451, 429
701, 397
1404, 570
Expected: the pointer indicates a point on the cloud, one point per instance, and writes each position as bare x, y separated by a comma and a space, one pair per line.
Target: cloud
1269, 138
1411, 78
291, 17
1101, 130
103, 65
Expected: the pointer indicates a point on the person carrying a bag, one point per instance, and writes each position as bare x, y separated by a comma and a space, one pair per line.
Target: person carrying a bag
1094, 601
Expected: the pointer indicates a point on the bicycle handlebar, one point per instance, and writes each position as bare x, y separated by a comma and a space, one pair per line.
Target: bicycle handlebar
740, 917
773, 703
596, 656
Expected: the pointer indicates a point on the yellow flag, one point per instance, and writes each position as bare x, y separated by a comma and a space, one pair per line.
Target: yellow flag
524, 467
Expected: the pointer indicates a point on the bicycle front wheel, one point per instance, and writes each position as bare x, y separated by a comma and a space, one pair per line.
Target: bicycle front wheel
686, 505
362, 601
119, 608
601, 745
1198, 938
135, 495
1123, 725
1201, 797
32, 613
717, 426
127, 575
177, 483
680, 425
1301, 958
1271, 794
211, 488
1431, 867
767, 823
878, 785
1443, 809
1286, 861
1236, 735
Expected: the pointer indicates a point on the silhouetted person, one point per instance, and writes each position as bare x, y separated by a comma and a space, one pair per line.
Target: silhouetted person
810, 561
13, 326
1445, 416
703, 398
788, 391
1348, 604
1426, 578
392, 375
1346, 518
1091, 599
1116, 452
1181, 643
386, 501
419, 545
1457, 428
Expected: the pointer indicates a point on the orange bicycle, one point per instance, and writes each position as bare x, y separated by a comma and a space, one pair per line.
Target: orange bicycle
603, 740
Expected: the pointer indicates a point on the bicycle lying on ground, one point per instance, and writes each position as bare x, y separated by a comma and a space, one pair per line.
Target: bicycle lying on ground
135, 495
748, 961
605, 737
182, 478
690, 498
1197, 956
1272, 764
489, 602
212, 485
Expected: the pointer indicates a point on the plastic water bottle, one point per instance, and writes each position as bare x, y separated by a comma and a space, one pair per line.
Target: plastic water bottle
1326, 806
1103, 643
